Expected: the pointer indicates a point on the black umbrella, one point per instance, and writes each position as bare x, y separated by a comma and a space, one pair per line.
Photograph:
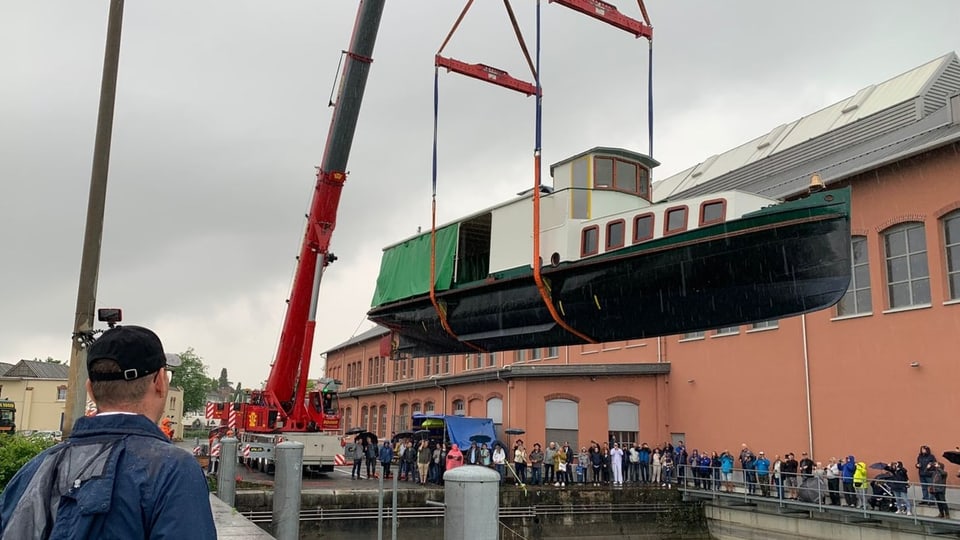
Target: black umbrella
514, 431
354, 430
421, 434
366, 434
480, 438
878, 465
403, 435
953, 456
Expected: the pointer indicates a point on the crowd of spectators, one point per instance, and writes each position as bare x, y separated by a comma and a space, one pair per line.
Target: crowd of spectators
838, 482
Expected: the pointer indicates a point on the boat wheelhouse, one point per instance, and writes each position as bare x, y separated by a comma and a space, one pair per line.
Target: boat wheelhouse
617, 266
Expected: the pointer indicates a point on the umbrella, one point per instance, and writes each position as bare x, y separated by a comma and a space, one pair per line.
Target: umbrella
364, 434
878, 465
432, 423
354, 430
514, 431
403, 435
953, 456
421, 434
480, 438
811, 489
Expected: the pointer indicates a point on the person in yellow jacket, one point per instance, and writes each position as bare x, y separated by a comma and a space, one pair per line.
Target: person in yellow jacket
860, 483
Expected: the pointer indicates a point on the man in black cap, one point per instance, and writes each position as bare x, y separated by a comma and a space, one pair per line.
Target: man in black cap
117, 476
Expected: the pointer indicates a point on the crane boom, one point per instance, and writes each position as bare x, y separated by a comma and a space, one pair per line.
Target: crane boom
286, 386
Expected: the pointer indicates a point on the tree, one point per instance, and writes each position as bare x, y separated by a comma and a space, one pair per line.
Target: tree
192, 377
223, 382
15, 452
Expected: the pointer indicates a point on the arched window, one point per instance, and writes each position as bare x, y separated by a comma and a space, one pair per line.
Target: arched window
857, 299
415, 408
951, 240
364, 418
348, 417
908, 276
428, 407
623, 422
459, 408
383, 420
562, 421
403, 419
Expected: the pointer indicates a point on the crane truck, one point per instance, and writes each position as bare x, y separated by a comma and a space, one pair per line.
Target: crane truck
286, 409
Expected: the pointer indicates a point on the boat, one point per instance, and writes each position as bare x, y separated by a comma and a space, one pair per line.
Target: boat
615, 265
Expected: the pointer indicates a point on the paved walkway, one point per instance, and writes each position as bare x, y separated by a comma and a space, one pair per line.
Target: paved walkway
232, 525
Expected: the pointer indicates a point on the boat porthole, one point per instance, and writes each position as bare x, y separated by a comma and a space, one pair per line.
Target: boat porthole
828, 198
555, 259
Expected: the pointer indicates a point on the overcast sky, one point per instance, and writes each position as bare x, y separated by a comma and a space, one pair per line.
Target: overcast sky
222, 115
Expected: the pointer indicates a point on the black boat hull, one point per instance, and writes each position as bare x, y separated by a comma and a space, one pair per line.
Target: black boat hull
768, 270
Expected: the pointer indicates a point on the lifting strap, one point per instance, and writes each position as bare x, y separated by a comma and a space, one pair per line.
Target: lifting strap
543, 286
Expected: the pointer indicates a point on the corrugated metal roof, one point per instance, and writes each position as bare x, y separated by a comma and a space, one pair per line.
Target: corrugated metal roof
4, 367
31, 369
906, 94
374, 332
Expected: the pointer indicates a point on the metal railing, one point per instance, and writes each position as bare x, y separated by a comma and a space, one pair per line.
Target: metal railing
877, 498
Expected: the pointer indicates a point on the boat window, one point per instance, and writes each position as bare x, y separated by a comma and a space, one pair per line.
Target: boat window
626, 177
615, 234
676, 220
642, 228
713, 211
590, 241
619, 175
473, 251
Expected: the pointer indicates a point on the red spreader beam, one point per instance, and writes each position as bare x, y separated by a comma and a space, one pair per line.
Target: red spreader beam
486, 73
609, 14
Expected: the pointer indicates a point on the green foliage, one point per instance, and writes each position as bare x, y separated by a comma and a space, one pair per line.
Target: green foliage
192, 377
15, 452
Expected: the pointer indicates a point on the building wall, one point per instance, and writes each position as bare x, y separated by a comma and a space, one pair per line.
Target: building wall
836, 385
174, 410
37, 405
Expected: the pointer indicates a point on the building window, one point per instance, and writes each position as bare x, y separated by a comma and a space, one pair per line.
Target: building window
951, 237
615, 234
520, 356
348, 417
491, 359
428, 407
458, 407
775, 323
908, 277
589, 241
61, 393
857, 299
535, 354
553, 352
364, 418
713, 212
415, 408
383, 420
727, 331
446, 363
642, 228
676, 220
692, 335
623, 421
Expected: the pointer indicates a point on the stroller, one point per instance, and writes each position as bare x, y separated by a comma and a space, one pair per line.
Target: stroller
881, 496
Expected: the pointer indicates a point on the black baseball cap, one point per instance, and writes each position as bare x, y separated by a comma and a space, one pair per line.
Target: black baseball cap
137, 350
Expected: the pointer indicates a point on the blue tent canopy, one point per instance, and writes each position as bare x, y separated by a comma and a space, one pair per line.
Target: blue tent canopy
459, 429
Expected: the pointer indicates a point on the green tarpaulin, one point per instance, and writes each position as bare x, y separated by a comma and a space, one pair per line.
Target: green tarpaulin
405, 268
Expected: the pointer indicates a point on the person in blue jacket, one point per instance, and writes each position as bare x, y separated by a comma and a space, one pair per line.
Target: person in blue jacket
846, 480
763, 474
386, 457
726, 471
118, 475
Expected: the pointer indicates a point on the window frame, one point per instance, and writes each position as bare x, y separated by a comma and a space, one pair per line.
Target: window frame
952, 294
855, 287
703, 208
583, 240
666, 219
653, 225
623, 234
905, 227
640, 180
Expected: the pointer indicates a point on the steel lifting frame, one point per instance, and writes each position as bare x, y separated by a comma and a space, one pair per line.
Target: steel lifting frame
608, 13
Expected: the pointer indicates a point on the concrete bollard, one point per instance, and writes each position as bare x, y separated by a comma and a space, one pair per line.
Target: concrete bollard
472, 503
227, 476
288, 479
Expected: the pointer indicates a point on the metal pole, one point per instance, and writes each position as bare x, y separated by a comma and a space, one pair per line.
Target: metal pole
227, 477
393, 532
383, 472
286, 494
76, 403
